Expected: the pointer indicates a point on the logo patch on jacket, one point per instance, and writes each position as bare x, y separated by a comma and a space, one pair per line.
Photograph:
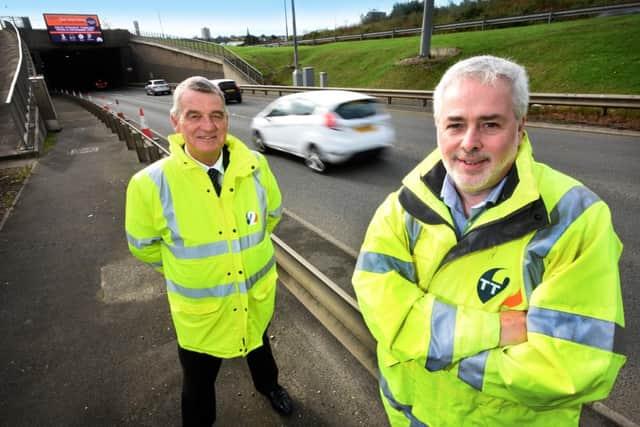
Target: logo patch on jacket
252, 218
491, 285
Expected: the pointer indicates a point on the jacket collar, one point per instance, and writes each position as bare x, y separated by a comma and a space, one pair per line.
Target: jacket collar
425, 182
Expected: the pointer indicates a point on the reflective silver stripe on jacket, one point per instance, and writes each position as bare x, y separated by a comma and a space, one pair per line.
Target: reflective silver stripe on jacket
223, 289
572, 204
443, 327
471, 369
413, 228
572, 327
156, 173
142, 243
374, 262
405, 409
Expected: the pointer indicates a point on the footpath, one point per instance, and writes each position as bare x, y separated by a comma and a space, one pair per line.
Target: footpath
86, 334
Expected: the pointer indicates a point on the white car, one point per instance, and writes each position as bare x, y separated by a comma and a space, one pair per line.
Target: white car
324, 126
157, 86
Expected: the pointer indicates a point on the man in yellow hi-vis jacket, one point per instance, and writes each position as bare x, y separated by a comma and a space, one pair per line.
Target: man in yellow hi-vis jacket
203, 217
490, 281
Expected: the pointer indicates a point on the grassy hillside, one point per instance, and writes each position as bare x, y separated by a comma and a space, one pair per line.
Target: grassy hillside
597, 55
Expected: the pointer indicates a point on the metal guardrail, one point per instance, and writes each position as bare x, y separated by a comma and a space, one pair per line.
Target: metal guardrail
478, 23
208, 49
426, 96
20, 102
147, 149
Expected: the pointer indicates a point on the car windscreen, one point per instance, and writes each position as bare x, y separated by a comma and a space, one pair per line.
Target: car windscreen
358, 109
160, 82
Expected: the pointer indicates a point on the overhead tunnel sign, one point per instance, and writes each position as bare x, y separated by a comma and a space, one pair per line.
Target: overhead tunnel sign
67, 28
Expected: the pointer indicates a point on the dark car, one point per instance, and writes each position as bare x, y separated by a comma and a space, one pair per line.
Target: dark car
230, 89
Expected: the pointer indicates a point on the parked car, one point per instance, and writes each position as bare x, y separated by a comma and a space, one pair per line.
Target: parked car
157, 86
101, 84
324, 127
230, 89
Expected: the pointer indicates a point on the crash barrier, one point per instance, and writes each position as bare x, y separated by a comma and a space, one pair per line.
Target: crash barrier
147, 148
425, 97
20, 106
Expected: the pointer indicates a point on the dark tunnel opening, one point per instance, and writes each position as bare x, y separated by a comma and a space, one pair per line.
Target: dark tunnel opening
80, 69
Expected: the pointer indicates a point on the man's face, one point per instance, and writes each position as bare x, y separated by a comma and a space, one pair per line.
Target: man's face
478, 135
203, 123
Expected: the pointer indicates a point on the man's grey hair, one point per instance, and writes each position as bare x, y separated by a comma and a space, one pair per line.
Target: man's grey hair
199, 84
487, 69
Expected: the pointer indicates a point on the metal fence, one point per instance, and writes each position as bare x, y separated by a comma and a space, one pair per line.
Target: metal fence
425, 97
202, 47
475, 24
20, 103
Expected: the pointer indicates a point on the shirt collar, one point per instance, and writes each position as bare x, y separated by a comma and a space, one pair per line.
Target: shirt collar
218, 165
450, 196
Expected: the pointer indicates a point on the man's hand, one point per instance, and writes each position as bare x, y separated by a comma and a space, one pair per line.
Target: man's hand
513, 327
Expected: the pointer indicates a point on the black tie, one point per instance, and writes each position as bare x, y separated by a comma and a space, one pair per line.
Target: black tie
213, 174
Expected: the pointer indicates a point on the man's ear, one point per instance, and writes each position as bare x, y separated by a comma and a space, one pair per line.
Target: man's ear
521, 124
174, 122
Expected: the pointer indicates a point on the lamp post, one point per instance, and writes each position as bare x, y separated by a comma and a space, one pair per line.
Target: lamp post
427, 28
286, 23
296, 73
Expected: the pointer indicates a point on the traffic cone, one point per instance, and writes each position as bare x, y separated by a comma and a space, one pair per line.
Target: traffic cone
143, 125
105, 105
119, 113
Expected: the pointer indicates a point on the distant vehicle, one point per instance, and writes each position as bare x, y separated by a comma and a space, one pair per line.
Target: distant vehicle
229, 88
101, 84
157, 86
324, 127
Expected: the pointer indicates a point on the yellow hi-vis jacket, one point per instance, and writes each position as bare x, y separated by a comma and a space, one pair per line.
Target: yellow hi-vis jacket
431, 300
215, 252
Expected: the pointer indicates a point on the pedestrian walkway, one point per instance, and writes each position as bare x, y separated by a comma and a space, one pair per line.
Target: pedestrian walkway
86, 334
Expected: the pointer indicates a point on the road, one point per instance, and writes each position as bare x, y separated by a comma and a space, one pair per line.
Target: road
341, 202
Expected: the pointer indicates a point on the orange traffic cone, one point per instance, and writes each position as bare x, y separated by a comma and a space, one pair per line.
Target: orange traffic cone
143, 125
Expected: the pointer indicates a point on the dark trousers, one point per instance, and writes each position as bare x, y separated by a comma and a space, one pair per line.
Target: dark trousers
199, 372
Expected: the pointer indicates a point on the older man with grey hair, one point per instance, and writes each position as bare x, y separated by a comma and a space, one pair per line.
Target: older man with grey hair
203, 218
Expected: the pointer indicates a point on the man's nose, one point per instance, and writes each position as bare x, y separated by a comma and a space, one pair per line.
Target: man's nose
471, 139
209, 123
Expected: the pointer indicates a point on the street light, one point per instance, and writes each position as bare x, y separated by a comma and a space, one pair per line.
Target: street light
286, 23
297, 77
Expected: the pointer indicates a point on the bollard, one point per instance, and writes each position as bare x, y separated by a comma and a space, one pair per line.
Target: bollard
307, 77
324, 80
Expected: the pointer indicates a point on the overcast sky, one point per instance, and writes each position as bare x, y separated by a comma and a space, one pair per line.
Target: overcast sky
186, 18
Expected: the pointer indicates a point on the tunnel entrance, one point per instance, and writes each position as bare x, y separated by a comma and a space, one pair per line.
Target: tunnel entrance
81, 68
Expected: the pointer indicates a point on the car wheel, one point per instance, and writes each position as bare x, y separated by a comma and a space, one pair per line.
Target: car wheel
313, 160
258, 141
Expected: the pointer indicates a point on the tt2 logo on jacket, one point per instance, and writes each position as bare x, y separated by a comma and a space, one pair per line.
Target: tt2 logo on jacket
252, 218
489, 287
